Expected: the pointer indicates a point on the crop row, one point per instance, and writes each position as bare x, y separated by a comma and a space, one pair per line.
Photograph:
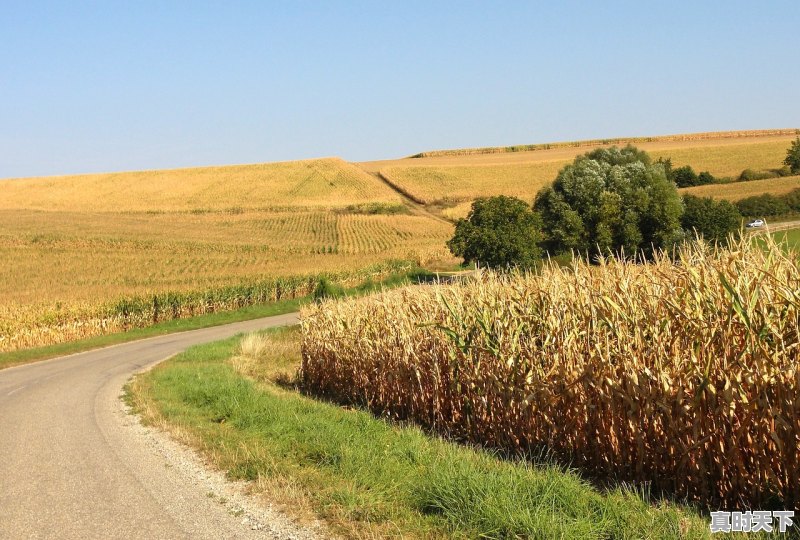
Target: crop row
24, 327
681, 374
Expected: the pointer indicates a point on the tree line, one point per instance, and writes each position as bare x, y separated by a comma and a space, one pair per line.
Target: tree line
610, 201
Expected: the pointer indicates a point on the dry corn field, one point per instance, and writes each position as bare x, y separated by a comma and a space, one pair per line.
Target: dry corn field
683, 374
68, 259
34, 325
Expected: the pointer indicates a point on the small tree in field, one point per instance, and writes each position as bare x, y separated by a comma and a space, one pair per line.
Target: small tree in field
499, 232
793, 157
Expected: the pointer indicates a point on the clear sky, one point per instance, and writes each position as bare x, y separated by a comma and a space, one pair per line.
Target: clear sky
104, 86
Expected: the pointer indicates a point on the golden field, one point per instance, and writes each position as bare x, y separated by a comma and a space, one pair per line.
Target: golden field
318, 183
680, 374
453, 181
72, 244
740, 190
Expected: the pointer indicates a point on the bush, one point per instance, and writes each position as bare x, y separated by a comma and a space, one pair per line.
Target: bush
326, 289
610, 201
499, 232
714, 221
792, 200
705, 178
685, 177
749, 175
762, 205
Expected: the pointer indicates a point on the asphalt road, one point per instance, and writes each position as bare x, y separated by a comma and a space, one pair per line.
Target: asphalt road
70, 468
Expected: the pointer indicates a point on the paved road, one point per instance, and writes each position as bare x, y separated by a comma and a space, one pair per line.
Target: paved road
69, 468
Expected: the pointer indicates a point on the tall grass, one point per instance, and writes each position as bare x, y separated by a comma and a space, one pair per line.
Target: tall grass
681, 374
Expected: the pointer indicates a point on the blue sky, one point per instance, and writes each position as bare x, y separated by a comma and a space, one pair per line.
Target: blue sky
103, 86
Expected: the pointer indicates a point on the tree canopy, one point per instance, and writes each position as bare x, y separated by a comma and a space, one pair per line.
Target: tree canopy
499, 232
715, 221
793, 157
611, 200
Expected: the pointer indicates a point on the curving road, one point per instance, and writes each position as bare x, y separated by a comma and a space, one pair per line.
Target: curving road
71, 468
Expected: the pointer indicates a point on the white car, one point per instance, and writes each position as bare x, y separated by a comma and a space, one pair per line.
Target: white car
756, 223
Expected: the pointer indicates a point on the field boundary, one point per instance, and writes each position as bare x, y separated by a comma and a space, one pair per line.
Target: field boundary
709, 135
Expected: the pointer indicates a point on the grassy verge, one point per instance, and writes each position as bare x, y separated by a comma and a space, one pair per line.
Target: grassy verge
368, 478
791, 238
25, 356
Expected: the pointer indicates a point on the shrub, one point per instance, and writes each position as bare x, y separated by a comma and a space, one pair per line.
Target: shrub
685, 177
762, 205
792, 200
715, 221
499, 232
705, 178
749, 175
325, 289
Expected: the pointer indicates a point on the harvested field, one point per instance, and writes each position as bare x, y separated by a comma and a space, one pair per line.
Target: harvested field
319, 183
740, 190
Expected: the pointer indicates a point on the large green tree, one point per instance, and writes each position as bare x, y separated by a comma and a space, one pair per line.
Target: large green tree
715, 221
499, 232
793, 156
610, 200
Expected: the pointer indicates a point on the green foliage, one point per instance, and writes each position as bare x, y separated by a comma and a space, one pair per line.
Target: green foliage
792, 200
705, 178
793, 156
749, 175
762, 205
326, 289
715, 221
685, 177
610, 201
499, 232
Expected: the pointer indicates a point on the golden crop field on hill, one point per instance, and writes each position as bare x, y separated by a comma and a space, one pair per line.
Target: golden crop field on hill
64, 256
739, 190
69, 245
72, 243
314, 183
455, 180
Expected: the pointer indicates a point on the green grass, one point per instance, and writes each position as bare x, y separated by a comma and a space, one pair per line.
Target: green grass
370, 478
24, 356
791, 237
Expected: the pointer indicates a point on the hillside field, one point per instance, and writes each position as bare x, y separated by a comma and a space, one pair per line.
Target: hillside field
317, 183
71, 243
452, 182
740, 190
